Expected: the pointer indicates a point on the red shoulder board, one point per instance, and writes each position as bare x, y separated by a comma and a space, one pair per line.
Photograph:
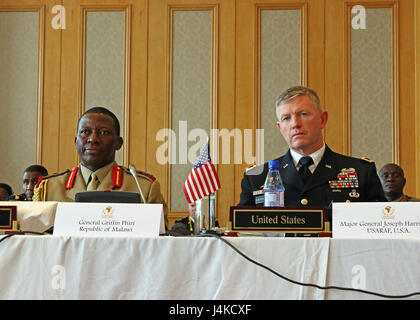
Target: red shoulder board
70, 180
145, 174
117, 177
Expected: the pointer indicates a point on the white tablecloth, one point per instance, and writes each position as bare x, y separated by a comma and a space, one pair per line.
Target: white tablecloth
55, 267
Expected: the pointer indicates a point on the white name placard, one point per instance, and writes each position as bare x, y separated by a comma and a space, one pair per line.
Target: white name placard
376, 220
109, 219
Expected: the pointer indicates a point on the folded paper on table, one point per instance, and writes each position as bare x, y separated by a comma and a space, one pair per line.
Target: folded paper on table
35, 216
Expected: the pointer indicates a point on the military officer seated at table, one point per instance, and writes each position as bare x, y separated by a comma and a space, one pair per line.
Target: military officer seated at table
30, 179
97, 140
312, 174
185, 226
393, 182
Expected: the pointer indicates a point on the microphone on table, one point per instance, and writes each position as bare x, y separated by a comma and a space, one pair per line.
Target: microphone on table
132, 169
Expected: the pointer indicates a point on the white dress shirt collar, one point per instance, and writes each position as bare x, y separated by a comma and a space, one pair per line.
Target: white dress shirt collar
316, 157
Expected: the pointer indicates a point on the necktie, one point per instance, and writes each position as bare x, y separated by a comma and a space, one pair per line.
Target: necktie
93, 182
304, 171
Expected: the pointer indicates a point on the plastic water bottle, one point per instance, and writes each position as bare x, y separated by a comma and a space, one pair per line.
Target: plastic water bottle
273, 186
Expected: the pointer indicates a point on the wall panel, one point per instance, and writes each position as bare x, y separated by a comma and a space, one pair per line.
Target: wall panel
104, 64
280, 32
285, 53
20, 94
191, 62
191, 93
372, 83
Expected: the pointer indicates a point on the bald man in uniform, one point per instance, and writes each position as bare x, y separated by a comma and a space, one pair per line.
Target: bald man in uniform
312, 174
98, 139
393, 182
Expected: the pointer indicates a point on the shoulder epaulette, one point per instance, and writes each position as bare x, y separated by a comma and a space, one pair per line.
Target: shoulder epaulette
249, 168
49, 176
143, 174
53, 175
40, 189
367, 159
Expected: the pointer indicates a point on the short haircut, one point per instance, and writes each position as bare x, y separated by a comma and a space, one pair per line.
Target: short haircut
296, 91
6, 187
37, 168
396, 166
104, 111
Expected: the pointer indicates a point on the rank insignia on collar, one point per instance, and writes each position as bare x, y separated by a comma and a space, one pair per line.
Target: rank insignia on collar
117, 173
70, 180
347, 178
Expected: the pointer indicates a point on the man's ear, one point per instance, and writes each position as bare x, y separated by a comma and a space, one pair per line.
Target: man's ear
324, 118
119, 143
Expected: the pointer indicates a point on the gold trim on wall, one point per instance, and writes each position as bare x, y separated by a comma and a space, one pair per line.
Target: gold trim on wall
84, 9
214, 8
417, 95
40, 83
127, 77
393, 5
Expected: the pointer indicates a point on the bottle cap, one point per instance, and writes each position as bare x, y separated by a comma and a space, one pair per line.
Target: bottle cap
273, 164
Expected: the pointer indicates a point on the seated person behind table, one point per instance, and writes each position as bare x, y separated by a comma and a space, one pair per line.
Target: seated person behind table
185, 226
97, 140
313, 174
393, 182
5, 191
30, 180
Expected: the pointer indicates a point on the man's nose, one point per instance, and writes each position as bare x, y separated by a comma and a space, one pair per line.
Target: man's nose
389, 178
295, 122
93, 137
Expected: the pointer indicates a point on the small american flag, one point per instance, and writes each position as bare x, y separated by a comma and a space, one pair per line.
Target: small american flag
203, 179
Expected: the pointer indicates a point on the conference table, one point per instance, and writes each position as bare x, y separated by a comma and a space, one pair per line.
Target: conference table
205, 268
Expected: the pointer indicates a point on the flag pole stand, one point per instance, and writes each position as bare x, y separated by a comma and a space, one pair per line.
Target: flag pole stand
207, 221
